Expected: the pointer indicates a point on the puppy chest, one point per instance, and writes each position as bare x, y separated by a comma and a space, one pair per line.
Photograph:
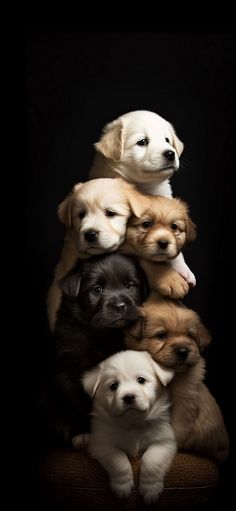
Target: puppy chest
134, 442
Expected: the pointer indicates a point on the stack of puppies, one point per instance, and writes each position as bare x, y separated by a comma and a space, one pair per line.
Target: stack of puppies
96, 308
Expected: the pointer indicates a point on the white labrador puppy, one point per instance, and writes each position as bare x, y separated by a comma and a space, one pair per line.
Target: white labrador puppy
130, 417
144, 149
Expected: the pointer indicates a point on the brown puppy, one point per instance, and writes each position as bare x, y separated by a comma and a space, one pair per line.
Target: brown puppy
157, 231
175, 337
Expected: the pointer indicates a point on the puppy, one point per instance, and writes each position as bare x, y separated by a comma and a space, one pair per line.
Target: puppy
95, 214
130, 417
144, 149
99, 299
175, 337
157, 231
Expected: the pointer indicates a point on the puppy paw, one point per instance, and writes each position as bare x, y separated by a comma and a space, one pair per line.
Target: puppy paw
150, 491
80, 441
176, 287
122, 488
182, 269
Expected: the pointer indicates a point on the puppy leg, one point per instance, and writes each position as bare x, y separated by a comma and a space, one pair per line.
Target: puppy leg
162, 278
154, 464
179, 265
117, 465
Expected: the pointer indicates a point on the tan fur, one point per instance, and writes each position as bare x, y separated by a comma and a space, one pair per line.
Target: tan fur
196, 417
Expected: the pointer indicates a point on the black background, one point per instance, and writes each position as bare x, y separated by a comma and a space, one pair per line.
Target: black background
76, 81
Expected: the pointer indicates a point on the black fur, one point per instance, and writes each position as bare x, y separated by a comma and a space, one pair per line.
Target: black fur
99, 299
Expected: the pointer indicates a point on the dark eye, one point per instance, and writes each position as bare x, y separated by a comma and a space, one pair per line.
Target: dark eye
167, 140
143, 141
146, 224
161, 335
114, 386
128, 285
82, 214
109, 212
98, 290
141, 380
174, 227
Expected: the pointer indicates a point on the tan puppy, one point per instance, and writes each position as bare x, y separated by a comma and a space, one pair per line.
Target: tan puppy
158, 231
95, 214
175, 336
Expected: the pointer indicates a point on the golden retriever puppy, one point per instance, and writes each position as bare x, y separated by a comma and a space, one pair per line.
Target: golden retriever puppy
144, 149
175, 336
95, 214
157, 232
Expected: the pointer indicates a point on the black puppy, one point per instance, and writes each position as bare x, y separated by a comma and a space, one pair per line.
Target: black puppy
100, 298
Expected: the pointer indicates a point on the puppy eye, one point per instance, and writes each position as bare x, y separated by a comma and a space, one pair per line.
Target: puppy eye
98, 290
141, 380
114, 386
82, 214
143, 141
109, 212
146, 224
128, 285
161, 335
167, 140
174, 227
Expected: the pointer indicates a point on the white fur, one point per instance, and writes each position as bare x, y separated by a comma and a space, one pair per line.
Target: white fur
137, 428
118, 154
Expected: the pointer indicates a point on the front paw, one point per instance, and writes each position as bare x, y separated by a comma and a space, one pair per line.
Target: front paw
175, 286
150, 490
122, 488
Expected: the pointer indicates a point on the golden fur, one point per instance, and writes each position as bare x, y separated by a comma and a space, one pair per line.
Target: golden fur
175, 336
157, 231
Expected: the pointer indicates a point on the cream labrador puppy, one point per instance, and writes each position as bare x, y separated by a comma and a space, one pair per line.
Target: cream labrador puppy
95, 214
144, 149
130, 417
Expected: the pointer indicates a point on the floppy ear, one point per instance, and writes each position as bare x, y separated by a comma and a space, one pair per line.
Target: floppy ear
191, 230
201, 334
177, 144
165, 375
70, 285
64, 209
111, 143
91, 379
137, 329
138, 202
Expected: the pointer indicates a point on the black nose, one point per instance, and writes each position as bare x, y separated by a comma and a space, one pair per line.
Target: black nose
120, 307
169, 155
128, 398
163, 243
182, 353
90, 236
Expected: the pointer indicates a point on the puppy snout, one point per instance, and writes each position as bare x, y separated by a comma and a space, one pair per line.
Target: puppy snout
169, 155
91, 236
128, 398
120, 307
163, 244
182, 353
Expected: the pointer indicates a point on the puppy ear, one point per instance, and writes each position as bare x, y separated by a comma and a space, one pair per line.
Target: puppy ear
111, 144
70, 285
137, 329
165, 375
64, 209
91, 379
177, 144
201, 334
191, 230
137, 201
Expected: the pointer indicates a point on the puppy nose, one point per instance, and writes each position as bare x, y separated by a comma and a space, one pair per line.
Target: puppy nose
128, 398
120, 307
90, 236
182, 353
162, 243
169, 155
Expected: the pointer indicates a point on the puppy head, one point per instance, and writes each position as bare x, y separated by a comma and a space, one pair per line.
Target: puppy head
96, 213
173, 334
126, 382
108, 289
159, 228
144, 141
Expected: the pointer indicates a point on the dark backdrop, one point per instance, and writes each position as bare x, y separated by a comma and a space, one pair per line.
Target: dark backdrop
78, 80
